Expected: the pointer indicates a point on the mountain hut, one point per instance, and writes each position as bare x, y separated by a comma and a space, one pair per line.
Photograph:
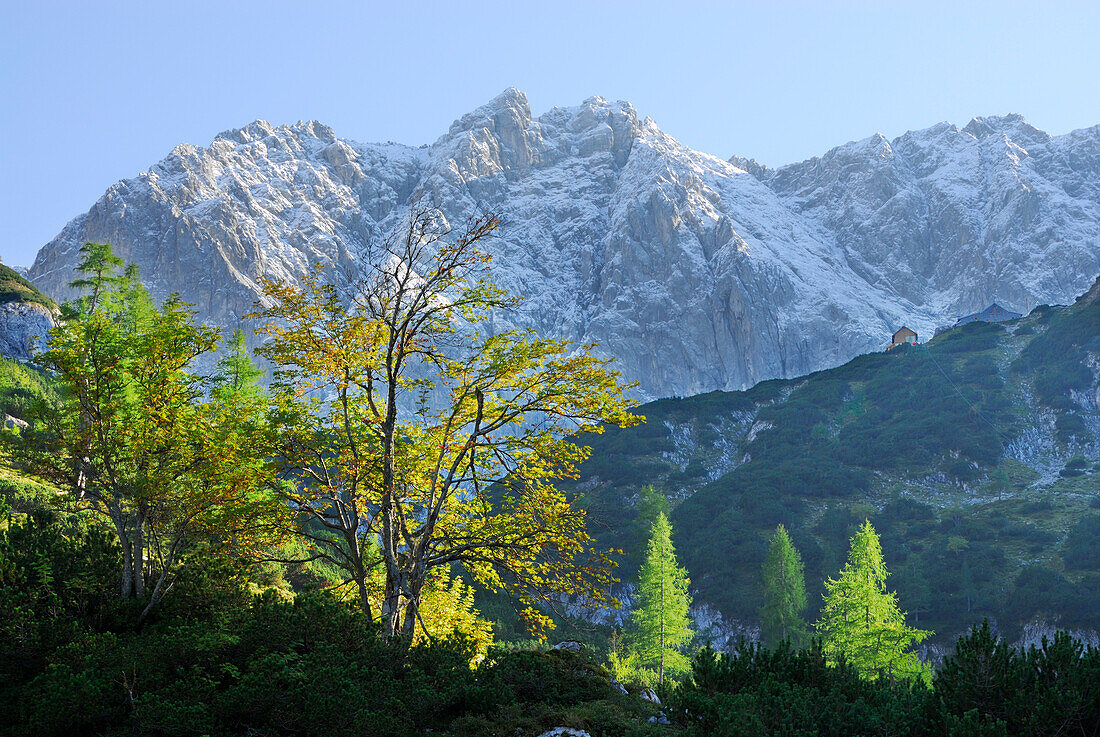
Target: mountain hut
901, 337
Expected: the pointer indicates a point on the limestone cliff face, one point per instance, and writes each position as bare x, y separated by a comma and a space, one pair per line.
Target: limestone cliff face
696, 273
950, 218
23, 328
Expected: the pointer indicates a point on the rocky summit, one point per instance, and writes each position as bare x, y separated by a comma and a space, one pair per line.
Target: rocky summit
694, 272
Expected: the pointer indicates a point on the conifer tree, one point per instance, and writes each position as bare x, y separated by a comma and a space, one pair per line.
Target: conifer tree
98, 269
861, 620
660, 619
133, 438
650, 504
236, 372
784, 592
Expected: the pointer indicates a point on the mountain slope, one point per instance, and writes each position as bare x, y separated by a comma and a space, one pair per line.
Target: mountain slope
974, 455
26, 315
998, 210
696, 273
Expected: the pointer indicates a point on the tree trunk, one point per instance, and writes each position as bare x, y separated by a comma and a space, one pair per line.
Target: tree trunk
126, 583
127, 589
391, 602
138, 558
393, 605
161, 587
661, 661
412, 613
359, 570
364, 597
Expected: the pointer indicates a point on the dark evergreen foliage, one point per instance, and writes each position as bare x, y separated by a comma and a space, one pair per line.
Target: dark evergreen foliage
218, 660
872, 438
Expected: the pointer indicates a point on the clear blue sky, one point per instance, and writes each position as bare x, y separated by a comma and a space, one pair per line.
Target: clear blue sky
93, 92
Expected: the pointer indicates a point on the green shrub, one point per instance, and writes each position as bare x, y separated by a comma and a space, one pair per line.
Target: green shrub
1074, 467
757, 691
1049, 690
1082, 548
1069, 426
15, 288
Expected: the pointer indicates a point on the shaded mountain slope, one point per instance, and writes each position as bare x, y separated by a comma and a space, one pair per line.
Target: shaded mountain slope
976, 455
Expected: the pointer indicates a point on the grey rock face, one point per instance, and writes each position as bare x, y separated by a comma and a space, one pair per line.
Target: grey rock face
950, 219
695, 273
23, 328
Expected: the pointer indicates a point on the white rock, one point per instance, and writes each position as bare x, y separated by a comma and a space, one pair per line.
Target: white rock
23, 329
696, 273
11, 423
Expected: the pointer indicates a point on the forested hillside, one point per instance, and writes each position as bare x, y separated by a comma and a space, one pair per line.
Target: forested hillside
974, 454
183, 553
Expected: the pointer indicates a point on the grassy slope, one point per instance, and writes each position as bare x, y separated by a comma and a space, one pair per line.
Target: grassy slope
916, 440
14, 288
19, 386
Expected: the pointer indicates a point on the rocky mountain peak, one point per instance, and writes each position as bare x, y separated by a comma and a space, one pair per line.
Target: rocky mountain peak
752, 166
694, 274
255, 131
494, 137
508, 110
1011, 127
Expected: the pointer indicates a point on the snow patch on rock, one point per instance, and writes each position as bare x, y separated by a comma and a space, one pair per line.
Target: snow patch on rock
695, 273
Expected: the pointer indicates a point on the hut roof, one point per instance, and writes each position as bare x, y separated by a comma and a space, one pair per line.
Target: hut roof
993, 313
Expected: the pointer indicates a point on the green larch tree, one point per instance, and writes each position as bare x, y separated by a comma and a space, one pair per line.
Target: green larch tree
134, 435
784, 592
650, 503
660, 619
860, 620
237, 374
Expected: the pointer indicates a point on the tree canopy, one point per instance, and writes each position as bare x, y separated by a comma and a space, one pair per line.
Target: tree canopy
134, 435
860, 620
661, 625
409, 420
784, 593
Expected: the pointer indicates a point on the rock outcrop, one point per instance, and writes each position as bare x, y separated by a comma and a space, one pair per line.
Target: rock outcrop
23, 328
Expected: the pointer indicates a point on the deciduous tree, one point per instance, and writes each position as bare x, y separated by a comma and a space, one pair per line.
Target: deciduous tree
136, 437
419, 425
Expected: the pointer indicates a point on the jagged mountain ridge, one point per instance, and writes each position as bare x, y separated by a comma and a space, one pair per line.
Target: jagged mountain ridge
696, 273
